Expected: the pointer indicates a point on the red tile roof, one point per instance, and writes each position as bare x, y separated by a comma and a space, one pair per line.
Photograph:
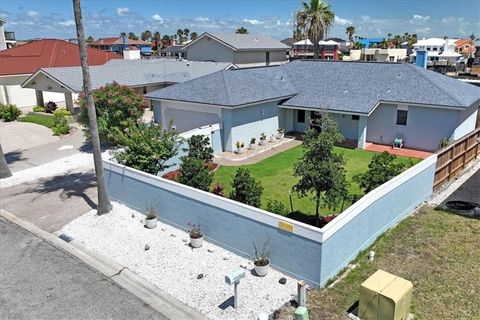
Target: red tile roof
47, 53
110, 41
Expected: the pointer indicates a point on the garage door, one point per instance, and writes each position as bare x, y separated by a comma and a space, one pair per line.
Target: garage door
188, 120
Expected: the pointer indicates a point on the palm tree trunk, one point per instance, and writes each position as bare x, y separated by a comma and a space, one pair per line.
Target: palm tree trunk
104, 205
316, 50
4, 169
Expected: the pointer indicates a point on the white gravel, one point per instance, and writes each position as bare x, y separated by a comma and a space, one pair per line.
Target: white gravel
53, 168
172, 265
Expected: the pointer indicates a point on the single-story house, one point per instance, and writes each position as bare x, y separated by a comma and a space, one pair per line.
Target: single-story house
142, 75
243, 50
19, 63
371, 102
118, 44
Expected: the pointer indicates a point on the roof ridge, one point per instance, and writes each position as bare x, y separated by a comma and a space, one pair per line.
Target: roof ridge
227, 89
416, 69
53, 58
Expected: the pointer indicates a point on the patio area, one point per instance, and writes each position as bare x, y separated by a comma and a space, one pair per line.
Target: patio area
405, 152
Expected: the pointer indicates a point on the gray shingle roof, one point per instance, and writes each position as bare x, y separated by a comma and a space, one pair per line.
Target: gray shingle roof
134, 72
341, 86
246, 41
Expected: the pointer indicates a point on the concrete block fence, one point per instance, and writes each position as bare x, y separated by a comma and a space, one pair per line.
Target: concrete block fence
298, 249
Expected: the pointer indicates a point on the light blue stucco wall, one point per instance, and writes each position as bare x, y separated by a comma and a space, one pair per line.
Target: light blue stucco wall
293, 254
385, 211
157, 111
347, 126
301, 126
466, 122
241, 124
425, 126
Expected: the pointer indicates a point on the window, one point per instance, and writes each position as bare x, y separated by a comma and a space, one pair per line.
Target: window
435, 48
301, 116
355, 117
391, 58
267, 58
402, 117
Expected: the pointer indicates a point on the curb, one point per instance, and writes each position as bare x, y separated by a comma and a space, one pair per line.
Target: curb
159, 300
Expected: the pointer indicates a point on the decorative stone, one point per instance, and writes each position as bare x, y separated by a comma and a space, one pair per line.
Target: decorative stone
133, 215
172, 235
164, 229
227, 257
244, 265
211, 249
147, 247
282, 280
184, 240
200, 276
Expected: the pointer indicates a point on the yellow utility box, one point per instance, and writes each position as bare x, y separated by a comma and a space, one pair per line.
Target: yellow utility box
385, 296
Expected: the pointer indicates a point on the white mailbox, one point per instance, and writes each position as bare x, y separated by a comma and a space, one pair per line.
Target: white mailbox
235, 276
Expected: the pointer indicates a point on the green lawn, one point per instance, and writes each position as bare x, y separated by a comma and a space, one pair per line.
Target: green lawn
43, 121
435, 250
276, 176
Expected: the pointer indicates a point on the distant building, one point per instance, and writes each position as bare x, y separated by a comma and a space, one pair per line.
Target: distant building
441, 54
289, 43
378, 55
119, 44
466, 47
243, 50
7, 38
303, 49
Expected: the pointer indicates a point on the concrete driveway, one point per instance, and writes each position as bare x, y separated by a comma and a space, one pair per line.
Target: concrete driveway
17, 135
50, 203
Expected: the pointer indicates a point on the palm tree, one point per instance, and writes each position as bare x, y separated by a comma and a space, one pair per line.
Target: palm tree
166, 41
315, 18
350, 31
4, 169
123, 34
156, 39
146, 35
132, 36
193, 35
104, 205
241, 30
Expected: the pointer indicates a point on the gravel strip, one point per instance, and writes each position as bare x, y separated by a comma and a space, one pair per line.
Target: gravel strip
233, 156
173, 266
53, 168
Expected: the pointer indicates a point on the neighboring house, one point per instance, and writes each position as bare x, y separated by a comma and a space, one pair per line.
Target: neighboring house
19, 63
243, 50
289, 43
371, 102
174, 51
466, 47
377, 55
119, 44
3, 43
440, 52
142, 75
303, 49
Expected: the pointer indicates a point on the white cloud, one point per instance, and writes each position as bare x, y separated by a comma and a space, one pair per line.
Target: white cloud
253, 21
123, 11
451, 20
423, 31
202, 19
67, 23
32, 13
342, 22
365, 18
158, 18
419, 17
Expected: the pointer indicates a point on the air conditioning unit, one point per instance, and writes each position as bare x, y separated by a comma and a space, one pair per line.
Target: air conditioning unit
385, 296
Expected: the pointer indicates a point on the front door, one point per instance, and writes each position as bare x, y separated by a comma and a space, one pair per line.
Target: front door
316, 120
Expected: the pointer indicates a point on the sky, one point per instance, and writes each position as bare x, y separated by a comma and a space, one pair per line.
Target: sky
371, 18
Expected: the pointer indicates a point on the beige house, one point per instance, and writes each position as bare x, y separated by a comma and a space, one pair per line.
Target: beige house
378, 55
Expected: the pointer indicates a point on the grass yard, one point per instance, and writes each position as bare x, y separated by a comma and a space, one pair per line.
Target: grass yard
436, 250
276, 176
43, 121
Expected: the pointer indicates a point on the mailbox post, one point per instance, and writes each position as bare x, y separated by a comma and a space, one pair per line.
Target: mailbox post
234, 278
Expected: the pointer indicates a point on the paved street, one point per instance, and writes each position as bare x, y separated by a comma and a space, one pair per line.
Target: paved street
52, 202
40, 281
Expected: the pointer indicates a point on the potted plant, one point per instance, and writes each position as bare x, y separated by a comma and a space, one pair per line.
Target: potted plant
280, 133
240, 147
196, 235
261, 260
252, 143
151, 218
272, 138
263, 139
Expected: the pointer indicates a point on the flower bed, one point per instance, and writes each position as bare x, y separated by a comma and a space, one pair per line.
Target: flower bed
173, 175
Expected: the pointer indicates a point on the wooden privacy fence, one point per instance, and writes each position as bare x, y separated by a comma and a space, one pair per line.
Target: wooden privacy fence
453, 158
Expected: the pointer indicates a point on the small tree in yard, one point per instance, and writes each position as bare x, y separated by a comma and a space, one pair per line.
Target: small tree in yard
115, 106
199, 148
194, 173
147, 146
321, 171
246, 189
381, 169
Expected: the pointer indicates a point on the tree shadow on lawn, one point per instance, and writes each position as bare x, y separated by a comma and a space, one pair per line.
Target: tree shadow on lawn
70, 184
14, 156
302, 217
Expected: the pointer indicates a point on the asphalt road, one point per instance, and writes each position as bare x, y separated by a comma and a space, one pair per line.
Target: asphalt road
40, 281
468, 191
52, 202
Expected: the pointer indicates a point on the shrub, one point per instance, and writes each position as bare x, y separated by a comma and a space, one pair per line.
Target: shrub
9, 112
50, 107
218, 190
38, 109
62, 113
245, 188
116, 107
147, 147
443, 143
277, 207
194, 173
60, 126
199, 148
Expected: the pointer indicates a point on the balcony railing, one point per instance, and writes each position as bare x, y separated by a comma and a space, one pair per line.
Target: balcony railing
9, 35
